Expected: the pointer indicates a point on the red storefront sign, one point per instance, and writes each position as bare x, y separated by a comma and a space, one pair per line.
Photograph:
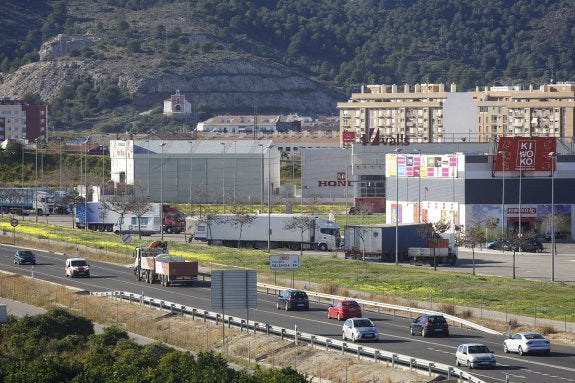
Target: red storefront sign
348, 136
525, 153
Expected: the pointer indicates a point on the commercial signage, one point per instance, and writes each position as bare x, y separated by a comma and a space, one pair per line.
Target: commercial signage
526, 211
525, 153
284, 262
421, 165
374, 138
340, 181
348, 136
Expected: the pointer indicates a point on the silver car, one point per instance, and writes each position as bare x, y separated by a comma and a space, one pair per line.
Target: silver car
527, 342
474, 355
358, 329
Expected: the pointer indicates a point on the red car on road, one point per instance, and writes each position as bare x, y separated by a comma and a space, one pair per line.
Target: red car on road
344, 309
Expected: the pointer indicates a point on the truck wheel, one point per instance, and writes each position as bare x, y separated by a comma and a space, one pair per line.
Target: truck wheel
323, 247
169, 230
39, 212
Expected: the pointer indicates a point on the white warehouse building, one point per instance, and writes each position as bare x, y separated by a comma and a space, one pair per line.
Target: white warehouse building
222, 171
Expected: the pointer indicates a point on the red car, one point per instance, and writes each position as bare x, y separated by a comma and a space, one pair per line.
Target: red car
344, 309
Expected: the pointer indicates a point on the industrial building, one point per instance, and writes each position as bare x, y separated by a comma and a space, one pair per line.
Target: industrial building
226, 172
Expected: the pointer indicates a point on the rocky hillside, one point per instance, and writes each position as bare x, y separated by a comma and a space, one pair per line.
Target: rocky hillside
153, 52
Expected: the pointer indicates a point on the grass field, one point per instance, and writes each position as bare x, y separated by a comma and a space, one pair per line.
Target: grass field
379, 280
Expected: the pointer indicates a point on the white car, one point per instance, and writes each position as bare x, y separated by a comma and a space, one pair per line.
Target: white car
77, 267
358, 329
527, 342
474, 355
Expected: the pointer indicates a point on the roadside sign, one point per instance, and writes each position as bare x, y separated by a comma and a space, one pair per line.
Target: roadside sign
234, 289
284, 262
126, 238
14, 222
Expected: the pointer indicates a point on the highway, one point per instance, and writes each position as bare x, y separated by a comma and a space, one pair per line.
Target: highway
558, 367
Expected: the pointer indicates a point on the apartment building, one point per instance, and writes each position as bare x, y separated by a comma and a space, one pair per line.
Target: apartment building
384, 114
514, 111
387, 115
22, 120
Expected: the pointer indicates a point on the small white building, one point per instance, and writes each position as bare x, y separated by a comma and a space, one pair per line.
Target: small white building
177, 104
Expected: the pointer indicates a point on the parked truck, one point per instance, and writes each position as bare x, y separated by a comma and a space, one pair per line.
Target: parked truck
96, 216
173, 220
377, 242
224, 229
24, 201
155, 264
438, 251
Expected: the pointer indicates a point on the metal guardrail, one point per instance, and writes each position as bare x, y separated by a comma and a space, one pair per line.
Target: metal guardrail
314, 340
377, 306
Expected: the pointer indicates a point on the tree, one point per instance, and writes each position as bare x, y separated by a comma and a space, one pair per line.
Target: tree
241, 220
140, 206
120, 204
301, 223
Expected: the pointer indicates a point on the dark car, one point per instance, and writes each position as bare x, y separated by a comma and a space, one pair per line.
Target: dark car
499, 244
24, 256
429, 325
292, 300
530, 246
102, 150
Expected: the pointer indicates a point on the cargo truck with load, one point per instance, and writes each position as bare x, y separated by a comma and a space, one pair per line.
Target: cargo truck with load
223, 229
24, 201
437, 252
154, 264
377, 242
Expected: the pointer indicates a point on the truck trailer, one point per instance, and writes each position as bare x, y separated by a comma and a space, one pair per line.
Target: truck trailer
154, 264
24, 201
377, 242
95, 216
224, 229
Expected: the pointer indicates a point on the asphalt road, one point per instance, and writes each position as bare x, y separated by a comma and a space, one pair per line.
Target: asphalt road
559, 366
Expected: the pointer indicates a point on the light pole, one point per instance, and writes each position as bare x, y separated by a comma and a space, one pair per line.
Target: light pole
223, 175
36, 182
161, 189
148, 142
397, 151
262, 178
269, 198
191, 172
520, 182
235, 171
553, 157
418, 185
22, 167
503, 165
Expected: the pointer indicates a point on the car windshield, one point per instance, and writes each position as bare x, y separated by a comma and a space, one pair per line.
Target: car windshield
79, 263
26, 253
478, 349
534, 336
349, 304
436, 319
298, 294
363, 323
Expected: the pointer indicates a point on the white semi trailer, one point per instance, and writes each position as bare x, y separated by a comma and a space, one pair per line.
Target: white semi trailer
228, 230
26, 200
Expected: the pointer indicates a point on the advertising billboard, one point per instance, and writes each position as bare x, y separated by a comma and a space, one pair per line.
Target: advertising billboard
525, 153
421, 165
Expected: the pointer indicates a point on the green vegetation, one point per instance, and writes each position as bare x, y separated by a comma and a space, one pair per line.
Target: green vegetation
380, 280
340, 44
61, 347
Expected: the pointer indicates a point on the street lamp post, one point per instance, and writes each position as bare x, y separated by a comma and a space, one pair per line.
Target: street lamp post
223, 175
262, 178
269, 147
191, 172
418, 151
553, 157
36, 182
397, 151
235, 171
503, 165
148, 142
162, 190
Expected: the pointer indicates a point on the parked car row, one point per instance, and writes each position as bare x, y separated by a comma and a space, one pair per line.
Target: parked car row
528, 245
